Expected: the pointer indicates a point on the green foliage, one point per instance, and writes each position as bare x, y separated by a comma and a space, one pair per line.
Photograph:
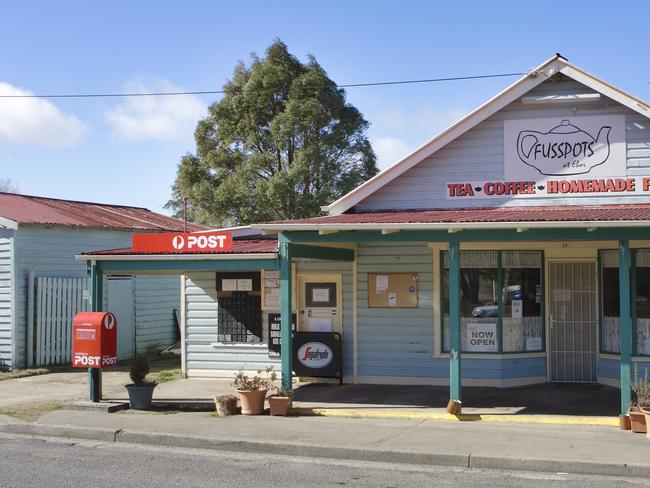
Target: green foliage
139, 370
283, 392
263, 380
281, 143
640, 390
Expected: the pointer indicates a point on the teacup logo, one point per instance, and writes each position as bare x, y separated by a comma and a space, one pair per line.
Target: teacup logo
564, 149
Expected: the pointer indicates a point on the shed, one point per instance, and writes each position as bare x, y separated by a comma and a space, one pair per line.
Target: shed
42, 285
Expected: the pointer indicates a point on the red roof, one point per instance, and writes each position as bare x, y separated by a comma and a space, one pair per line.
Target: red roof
26, 209
565, 213
239, 246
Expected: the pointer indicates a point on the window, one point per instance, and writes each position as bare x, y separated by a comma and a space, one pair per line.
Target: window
610, 336
501, 301
239, 314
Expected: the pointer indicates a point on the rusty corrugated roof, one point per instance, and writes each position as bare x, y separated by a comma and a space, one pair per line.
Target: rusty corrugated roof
239, 246
564, 213
26, 209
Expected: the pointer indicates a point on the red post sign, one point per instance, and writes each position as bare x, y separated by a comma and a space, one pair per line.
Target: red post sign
94, 340
187, 242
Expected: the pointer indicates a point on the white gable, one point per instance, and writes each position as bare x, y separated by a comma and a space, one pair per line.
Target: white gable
472, 150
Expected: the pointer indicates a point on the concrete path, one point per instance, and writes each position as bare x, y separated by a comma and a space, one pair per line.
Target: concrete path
549, 448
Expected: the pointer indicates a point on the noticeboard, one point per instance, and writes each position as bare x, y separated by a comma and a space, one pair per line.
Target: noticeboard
275, 333
317, 354
393, 290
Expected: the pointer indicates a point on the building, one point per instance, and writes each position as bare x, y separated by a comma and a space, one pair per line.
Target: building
511, 249
42, 285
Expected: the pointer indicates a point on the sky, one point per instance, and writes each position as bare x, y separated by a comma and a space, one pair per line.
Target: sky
126, 151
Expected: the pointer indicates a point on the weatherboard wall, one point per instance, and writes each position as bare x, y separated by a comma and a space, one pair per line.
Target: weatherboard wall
478, 155
51, 250
6, 296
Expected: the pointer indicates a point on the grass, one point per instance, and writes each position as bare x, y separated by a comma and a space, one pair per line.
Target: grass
30, 412
165, 375
23, 373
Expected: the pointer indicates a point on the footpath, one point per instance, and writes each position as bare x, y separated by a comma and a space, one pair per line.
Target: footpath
585, 449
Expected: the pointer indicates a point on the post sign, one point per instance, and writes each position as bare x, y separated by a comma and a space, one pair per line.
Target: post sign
275, 333
94, 340
481, 337
317, 354
559, 157
187, 242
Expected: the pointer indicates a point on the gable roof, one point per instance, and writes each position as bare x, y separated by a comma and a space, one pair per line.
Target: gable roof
27, 209
556, 64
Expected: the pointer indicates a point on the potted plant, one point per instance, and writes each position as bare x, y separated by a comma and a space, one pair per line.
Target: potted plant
640, 402
280, 403
141, 390
252, 389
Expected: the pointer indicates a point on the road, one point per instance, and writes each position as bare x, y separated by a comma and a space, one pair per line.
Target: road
53, 463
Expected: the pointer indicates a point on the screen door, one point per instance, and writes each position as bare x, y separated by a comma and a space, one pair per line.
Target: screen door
319, 303
573, 322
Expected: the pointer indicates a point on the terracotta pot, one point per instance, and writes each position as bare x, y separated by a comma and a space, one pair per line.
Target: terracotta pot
252, 401
637, 422
624, 422
646, 414
280, 405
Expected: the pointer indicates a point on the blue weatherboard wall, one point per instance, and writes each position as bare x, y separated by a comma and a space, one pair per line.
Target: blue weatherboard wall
399, 343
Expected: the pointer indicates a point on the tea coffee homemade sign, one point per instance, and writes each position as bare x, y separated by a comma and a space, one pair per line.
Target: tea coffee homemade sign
577, 156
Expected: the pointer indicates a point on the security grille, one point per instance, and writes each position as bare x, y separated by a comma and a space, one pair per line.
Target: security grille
573, 322
240, 318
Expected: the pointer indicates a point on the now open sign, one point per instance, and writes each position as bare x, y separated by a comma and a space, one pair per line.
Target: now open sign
481, 337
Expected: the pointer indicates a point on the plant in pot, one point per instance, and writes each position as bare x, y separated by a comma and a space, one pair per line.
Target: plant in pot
141, 390
280, 403
639, 411
252, 389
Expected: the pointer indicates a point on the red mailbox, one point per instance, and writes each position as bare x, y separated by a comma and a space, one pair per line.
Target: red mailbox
94, 340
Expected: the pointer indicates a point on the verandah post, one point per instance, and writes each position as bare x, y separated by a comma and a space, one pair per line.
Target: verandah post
285, 312
626, 323
454, 321
96, 283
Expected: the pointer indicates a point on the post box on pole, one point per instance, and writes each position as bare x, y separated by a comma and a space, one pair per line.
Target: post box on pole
94, 346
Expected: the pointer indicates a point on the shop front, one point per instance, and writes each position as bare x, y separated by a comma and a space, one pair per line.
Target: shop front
512, 249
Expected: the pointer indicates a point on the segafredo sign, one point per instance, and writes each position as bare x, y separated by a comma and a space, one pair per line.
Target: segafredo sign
182, 242
535, 149
315, 355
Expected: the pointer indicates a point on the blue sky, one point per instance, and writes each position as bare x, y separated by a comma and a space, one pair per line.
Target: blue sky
126, 151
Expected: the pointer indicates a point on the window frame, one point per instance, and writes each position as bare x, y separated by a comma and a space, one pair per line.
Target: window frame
500, 278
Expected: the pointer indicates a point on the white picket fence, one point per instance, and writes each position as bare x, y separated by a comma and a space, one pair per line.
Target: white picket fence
55, 303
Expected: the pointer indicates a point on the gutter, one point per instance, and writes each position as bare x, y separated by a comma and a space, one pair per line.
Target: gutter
174, 257
452, 227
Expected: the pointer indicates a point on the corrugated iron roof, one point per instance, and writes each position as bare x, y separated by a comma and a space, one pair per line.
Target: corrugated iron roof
27, 209
239, 246
565, 213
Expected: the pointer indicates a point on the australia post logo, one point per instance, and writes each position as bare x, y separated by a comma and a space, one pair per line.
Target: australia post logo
315, 355
187, 242
109, 321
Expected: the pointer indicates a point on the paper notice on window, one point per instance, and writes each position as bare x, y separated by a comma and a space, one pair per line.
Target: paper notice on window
381, 284
271, 279
517, 309
244, 285
533, 343
392, 299
229, 285
272, 298
320, 324
320, 295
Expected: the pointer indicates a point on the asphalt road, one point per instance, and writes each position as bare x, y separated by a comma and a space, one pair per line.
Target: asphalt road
54, 463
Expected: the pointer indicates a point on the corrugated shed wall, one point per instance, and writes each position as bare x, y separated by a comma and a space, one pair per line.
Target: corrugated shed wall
205, 356
156, 297
478, 156
6, 295
50, 251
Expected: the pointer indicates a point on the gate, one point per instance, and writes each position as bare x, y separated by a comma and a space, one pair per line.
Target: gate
55, 302
573, 321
